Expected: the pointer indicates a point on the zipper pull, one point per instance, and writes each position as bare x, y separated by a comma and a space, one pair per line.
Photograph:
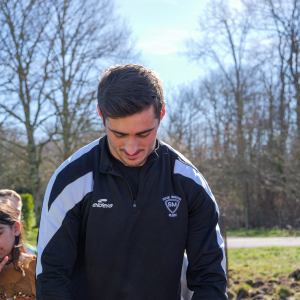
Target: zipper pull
134, 207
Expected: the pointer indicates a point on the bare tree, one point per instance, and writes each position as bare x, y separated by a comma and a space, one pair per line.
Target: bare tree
278, 22
224, 41
51, 54
24, 60
224, 33
182, 126
286, 18
89, 35
14, 173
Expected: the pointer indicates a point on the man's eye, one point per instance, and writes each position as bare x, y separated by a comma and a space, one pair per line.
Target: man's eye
144, 135
118, 135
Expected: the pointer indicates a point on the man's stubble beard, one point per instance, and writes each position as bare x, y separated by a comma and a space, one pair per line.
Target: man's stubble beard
137, 165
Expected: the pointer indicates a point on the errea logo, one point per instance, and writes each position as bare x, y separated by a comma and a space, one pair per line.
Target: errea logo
172, 204
101, 204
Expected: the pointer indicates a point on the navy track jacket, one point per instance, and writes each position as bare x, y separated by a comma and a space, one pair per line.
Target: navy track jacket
97, 242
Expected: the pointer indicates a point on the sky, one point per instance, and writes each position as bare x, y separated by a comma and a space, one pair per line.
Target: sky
160, 28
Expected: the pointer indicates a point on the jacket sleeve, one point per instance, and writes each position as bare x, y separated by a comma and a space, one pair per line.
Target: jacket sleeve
59, 232
206, 275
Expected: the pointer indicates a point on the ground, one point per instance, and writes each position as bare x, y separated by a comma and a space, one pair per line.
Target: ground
262, 273
262, 232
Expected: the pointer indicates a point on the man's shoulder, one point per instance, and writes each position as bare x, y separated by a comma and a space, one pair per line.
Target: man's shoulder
83, 153
81, 163
75, 174
174, 154
184, 167
84, 150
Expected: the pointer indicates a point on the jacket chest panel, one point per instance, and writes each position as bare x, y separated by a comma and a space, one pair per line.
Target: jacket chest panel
160, 205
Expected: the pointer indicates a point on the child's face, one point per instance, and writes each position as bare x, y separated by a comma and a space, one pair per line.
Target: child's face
7, 238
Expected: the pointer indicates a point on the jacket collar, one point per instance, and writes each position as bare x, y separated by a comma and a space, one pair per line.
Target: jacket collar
106, 163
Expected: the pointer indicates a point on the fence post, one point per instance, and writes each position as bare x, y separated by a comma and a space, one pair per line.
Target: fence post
225, 244
246, 218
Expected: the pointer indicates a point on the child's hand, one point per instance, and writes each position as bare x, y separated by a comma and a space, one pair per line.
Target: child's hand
4, 261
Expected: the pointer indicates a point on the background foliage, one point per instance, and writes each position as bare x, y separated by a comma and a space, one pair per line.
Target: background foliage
28, 214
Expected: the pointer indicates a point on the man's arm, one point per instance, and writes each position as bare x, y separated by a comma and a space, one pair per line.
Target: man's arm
61, 224
206, 270
206, 274
59, 233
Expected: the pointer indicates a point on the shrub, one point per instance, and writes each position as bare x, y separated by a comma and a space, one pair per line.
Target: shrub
27, 211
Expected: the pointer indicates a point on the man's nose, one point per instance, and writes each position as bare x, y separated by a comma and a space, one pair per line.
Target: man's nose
131, 145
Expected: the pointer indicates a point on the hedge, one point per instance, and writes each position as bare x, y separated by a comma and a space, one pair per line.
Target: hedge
27, 211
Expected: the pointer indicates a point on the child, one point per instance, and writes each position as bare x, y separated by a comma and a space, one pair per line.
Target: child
17, 277
15, 198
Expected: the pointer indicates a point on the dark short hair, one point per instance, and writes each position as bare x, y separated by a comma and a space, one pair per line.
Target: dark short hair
129, 89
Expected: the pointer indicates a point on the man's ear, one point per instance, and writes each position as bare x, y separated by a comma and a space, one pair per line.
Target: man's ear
100, 115
17, 228
163, 112
99, 112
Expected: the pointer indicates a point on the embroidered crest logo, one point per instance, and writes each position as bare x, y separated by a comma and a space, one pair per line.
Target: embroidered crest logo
172, 204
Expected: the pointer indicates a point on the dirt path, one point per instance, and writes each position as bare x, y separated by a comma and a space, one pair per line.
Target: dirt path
234, 242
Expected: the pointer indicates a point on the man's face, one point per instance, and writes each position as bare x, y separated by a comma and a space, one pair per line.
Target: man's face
132, 139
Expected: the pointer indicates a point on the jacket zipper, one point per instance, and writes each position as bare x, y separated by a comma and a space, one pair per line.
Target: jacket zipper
134, 201
134, 204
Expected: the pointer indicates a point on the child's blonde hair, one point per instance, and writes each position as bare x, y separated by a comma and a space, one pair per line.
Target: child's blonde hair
5, 194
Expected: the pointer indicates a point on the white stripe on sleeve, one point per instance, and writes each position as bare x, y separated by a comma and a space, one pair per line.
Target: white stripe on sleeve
190, 172
52, 220
80, 190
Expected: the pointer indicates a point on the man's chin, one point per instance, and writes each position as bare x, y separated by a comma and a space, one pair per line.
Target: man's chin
134, 162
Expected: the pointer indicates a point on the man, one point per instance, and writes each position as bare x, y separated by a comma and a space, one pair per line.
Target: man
119, 214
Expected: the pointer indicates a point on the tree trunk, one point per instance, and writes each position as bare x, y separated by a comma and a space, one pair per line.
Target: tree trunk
298, 111
34, 174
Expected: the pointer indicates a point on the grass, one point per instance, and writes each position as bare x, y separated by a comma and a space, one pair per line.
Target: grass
284, 292
263, 262
261, 232
270, 264
31, 236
